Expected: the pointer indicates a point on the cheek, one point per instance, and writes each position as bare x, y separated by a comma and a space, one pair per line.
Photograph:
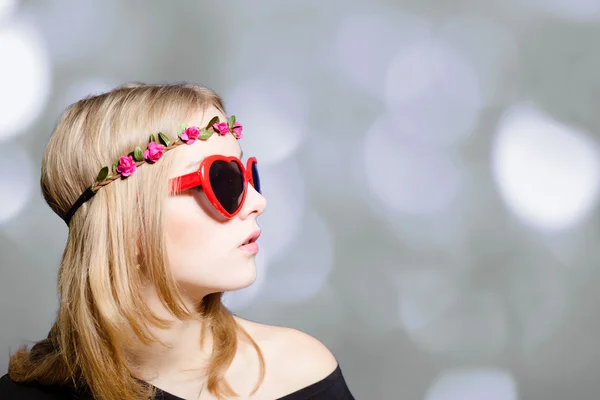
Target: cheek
185, 228
181, 222
190, 234
201, 250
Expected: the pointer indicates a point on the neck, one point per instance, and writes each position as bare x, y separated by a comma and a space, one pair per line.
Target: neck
177, 353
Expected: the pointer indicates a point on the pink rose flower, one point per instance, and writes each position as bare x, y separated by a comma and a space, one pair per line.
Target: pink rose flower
222, 128
237, 130
190, 134
154, 152
126, 166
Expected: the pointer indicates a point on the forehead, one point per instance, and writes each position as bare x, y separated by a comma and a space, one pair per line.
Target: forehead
189, 156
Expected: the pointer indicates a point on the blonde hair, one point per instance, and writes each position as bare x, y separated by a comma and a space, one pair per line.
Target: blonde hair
115, 243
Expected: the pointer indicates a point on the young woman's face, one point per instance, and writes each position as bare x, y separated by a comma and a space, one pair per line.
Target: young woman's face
205, 248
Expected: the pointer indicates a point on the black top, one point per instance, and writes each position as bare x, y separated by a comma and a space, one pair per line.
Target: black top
332, 387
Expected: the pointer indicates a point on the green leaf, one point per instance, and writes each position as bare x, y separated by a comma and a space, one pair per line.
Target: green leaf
114, 166
181, 128
205, 134
213, 121
102, 175
164, 139
153, 138
231, 121
138, 155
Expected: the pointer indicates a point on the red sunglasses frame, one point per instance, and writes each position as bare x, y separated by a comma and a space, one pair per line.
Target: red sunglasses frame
201, 178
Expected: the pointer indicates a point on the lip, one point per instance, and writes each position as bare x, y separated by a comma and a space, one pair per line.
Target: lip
251, 239
251, 248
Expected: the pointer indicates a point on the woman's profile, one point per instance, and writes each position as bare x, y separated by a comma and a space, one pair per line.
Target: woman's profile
162, 215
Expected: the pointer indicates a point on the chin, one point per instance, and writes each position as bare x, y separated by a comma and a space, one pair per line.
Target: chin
239, 280
226, 280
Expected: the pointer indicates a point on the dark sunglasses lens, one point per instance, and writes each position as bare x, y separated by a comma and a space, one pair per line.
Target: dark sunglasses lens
256, 177
227, 182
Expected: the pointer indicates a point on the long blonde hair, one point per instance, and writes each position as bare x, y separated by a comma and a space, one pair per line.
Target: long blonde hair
115, 243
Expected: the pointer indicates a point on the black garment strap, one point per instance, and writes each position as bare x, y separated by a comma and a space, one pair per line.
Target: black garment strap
85, 196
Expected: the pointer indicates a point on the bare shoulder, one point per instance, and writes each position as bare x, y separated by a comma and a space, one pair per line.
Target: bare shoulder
292, 356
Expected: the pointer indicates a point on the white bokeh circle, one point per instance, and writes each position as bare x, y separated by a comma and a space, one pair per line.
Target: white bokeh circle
473, 384
409, 178
547, 173
364, 63
432, 93
25, 78
491, 49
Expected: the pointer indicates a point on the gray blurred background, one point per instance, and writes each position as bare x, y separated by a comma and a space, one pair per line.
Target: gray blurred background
432, 170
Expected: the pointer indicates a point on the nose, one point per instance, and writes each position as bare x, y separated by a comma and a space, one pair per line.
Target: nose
254, 205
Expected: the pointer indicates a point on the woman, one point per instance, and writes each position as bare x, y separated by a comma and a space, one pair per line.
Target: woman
155, 238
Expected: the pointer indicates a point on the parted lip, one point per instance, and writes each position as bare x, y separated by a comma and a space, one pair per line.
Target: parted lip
252, 237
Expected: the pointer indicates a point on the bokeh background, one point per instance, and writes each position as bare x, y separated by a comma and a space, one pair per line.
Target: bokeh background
432, 170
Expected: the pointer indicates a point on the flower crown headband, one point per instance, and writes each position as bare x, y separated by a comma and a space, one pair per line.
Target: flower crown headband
127, 165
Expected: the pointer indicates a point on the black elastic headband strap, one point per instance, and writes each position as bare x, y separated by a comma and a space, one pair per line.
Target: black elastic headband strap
85, 196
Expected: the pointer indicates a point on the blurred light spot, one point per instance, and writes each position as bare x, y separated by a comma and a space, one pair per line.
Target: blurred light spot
442, 317
473, 384
490, 48
6, 9
16, 185
304, 270
363, 43
275, 116
408, 178
25, 78
432, 93
283, 187
547, 173
243, 298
